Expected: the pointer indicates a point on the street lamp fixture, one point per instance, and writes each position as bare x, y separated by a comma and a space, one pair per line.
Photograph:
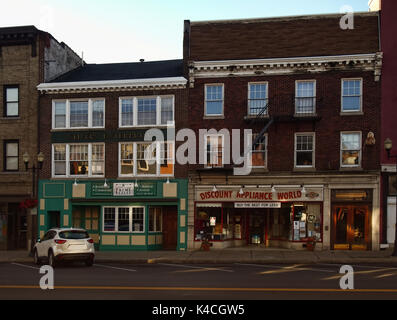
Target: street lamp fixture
388, 147
40, 160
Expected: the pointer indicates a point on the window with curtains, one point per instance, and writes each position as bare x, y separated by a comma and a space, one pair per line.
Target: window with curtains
305, 97
146, 159
214, 97
74, 114
351, 149
72, 160
214, 152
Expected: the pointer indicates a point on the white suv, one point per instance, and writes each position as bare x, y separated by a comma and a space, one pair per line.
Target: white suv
65, 245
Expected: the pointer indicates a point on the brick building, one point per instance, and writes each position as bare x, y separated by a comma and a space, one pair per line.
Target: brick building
28, 57
388, 115
310, 92
104, 175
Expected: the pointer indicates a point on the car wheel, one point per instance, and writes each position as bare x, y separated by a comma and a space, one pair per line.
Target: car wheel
36, 258
89, 262
51, 259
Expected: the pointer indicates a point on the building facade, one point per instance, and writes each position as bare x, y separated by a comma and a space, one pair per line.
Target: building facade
388, 115
28, 57
309, 91
106, 174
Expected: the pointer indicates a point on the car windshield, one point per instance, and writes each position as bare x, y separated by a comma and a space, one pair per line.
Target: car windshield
73, 234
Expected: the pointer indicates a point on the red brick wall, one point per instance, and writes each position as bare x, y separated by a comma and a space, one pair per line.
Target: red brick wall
282, 37
281, 135
111, 123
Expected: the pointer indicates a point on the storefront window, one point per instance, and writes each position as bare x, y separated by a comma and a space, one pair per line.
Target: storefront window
280, 223
124, 219
209, 223
307, 222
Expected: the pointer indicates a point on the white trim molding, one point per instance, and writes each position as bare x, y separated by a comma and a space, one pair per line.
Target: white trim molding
257, 67
113, 85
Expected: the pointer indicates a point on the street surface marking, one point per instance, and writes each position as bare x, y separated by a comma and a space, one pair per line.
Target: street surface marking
114, 288
116, 268
272, 267
359, 273
386, 275
194, 267
25, 266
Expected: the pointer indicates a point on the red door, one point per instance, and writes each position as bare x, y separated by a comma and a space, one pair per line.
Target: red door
170, 228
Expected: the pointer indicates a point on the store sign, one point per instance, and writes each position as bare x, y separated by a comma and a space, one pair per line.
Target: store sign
247, 205
146, 189
98, 189
123, 189
259, 195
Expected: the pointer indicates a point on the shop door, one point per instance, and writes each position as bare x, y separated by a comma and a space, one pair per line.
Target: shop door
351, 228
54, 219
170, 228
17, 227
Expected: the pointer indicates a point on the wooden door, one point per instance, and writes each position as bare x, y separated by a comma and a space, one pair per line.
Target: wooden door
170, 228
350, 228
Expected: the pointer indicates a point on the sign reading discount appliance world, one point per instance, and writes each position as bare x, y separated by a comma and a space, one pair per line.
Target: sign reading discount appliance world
123, 189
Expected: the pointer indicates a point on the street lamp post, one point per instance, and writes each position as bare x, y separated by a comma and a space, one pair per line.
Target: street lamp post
35, 171
388, 148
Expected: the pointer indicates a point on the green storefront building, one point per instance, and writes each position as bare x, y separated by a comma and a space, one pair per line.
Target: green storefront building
118, 214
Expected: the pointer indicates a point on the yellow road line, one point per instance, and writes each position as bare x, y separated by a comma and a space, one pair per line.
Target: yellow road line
116, 288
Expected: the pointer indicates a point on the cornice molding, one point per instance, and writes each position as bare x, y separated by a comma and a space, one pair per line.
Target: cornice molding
261, 67
114, 85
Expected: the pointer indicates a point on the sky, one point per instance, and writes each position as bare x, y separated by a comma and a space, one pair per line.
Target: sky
110, 31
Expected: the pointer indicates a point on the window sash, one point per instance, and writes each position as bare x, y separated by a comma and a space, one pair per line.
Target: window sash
155, 219
257, 98
351, 95
259, 153
11, 156
305, 97
351, 149
11, 101
146, 111
124, 219
214, 151
304, 150
75, 114
68, 160
146, 159
214, 98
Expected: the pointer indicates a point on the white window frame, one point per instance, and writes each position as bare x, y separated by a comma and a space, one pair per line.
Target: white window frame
314, 96
135, 160
302, 134
135, 111
89, 169
249, 97
359, 165
90, 113
116, 222
205, 150
155, 220
361, 96
205, 99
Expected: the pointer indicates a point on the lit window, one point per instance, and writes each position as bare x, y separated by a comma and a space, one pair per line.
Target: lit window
214, 151
351, 149
304, 150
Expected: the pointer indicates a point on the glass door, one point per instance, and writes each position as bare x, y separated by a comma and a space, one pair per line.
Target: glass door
350, 228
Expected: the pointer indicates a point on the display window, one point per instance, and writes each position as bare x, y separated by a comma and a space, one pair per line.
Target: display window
307, 222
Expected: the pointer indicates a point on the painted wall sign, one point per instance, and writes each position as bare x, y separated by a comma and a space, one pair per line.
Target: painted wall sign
101, 136
146, 189
259, 195
123, 189
98, 189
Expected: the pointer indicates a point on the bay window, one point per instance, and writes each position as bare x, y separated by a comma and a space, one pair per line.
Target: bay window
72, 160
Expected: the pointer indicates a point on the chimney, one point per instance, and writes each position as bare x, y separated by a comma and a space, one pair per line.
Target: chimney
375, 5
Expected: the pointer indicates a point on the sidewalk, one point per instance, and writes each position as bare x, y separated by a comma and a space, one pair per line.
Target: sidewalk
252, 255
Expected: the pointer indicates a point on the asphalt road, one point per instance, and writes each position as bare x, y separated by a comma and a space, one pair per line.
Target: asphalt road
169, 282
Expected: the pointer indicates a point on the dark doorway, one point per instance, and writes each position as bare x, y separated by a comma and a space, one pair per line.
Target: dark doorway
54, 219
16, 227
170, 228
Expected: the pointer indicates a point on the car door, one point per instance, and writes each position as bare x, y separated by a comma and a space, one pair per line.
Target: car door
46, 243
41, 244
